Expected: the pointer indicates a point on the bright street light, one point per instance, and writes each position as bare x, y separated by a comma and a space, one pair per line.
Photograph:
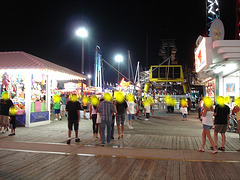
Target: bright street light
89, 79
82, 32
118, 58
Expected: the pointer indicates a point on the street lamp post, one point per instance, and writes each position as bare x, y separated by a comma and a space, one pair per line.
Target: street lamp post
89, 80
118, 58
83, 33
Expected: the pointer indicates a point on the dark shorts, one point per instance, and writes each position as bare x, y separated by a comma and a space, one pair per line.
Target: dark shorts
84, 107
71, 123
206, 127
56, 111
220, 128
147, 115
131, 117
13, 122
120, 118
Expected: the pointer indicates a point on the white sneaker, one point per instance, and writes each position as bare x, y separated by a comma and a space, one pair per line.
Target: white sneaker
130, 127
146, 119
56, 119
60, 117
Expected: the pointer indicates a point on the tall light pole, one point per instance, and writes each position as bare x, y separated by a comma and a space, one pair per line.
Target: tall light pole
83, 33
118, 58
89, 80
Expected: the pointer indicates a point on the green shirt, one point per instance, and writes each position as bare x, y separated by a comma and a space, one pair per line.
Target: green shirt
57, 105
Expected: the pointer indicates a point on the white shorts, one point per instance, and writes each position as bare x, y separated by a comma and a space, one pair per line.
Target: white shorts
98, 118
63, 107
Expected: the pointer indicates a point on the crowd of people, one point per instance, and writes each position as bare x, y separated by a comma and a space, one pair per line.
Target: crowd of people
108, 110
104, 114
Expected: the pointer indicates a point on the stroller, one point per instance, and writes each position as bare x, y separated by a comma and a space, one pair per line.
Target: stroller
232, 127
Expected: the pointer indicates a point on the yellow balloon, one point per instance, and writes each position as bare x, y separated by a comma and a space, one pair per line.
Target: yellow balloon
208, 102
107, 97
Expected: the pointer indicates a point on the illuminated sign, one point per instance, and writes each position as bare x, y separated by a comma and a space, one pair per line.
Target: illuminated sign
201, 56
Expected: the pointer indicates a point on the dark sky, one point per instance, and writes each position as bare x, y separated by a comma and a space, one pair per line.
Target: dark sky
46, 29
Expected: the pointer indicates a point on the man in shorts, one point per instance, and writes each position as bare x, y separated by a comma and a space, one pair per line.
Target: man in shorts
73, 107
221, 113
120, 108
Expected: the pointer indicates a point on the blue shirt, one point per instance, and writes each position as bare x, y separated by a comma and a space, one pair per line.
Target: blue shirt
63, 99
106, 109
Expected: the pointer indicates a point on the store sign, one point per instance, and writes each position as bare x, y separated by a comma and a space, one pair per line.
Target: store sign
70, 85
201, 56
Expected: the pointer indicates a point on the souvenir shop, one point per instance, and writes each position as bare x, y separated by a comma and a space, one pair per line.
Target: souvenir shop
31, 82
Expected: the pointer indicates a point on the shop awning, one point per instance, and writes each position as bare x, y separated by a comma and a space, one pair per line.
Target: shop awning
22, 60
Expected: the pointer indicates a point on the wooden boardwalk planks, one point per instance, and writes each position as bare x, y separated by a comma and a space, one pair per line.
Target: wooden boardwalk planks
52, 166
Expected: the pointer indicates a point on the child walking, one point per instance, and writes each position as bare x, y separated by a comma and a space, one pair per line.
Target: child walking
184, 111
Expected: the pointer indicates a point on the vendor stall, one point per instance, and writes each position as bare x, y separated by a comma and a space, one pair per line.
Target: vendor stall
31, 81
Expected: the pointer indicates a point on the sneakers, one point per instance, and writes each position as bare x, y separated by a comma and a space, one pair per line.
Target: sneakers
11, 134
76, 140
68, 141
60, 118
130, 127
56, 119
146, 119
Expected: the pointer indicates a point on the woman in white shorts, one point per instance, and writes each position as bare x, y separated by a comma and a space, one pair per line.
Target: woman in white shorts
207, 121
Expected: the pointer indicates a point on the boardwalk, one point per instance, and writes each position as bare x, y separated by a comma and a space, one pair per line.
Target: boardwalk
162, 148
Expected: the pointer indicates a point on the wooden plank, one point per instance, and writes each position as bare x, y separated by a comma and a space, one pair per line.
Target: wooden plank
105, 164
23, 165
174, 142
119, 169
41, 166
160, 170
148, 164
173, 170
139, 165
216, 172
199, 171
185, 170
60, 167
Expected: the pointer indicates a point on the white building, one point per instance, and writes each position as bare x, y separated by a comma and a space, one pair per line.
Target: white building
217, 64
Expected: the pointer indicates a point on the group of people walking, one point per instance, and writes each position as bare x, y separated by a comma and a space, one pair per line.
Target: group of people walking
106, 113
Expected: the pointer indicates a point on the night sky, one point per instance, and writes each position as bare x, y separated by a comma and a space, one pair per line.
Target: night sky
46, 29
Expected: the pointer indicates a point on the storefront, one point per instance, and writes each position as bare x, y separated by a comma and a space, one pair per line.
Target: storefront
217, 64
31, 81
